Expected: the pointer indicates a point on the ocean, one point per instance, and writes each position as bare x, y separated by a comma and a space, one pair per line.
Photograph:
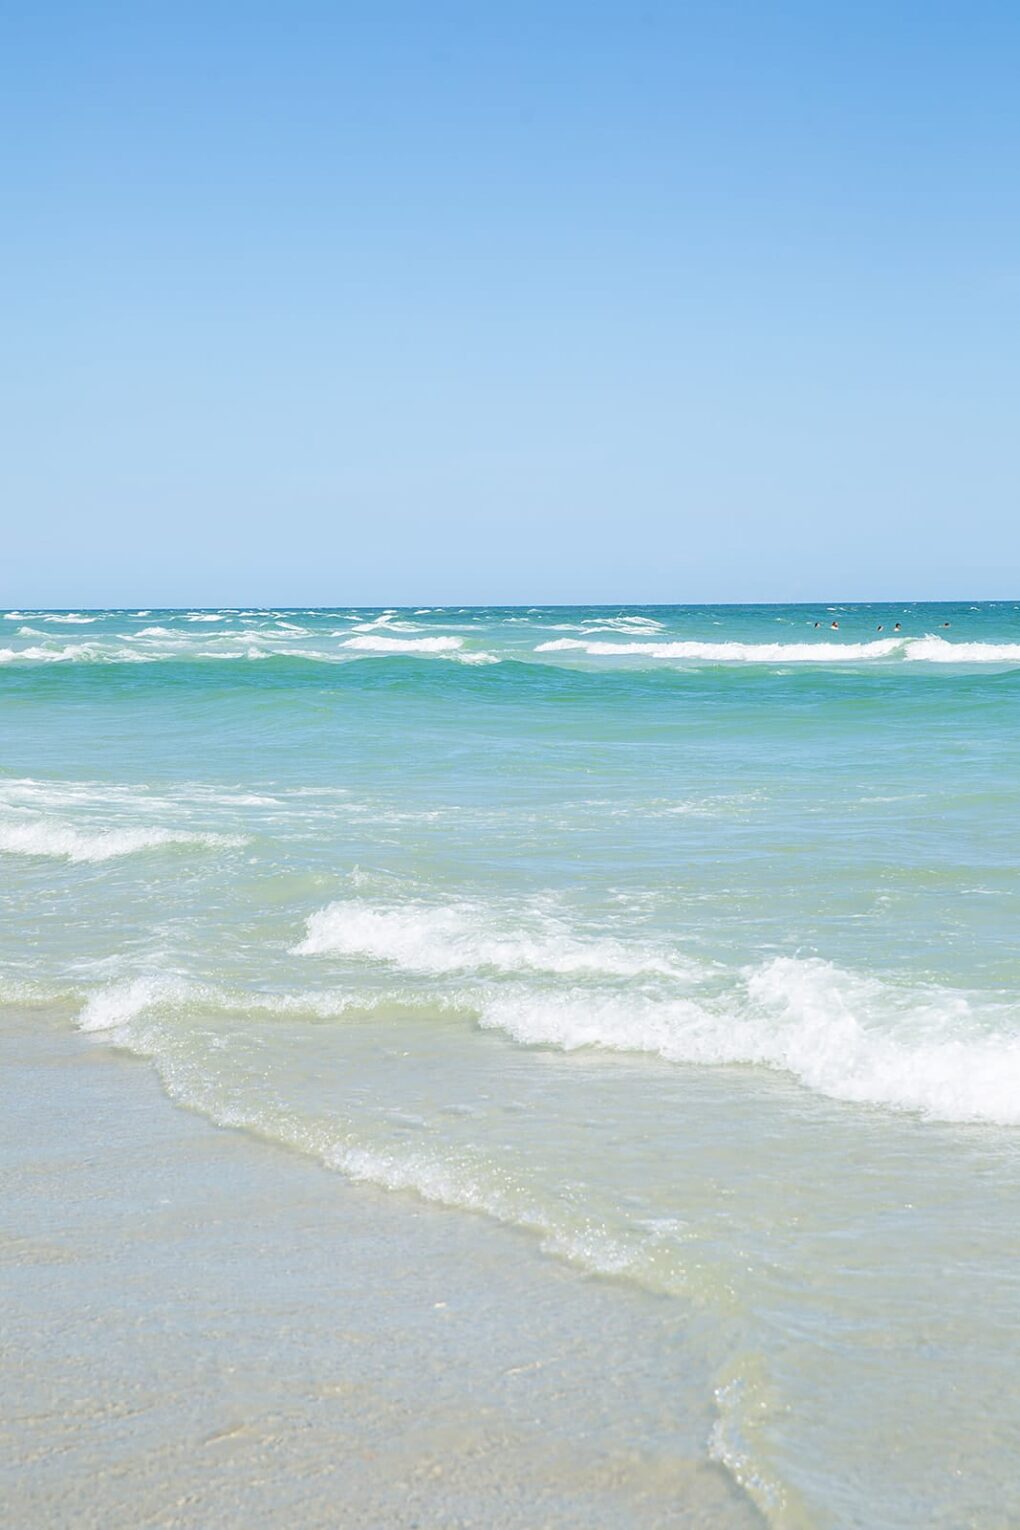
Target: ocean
681, 939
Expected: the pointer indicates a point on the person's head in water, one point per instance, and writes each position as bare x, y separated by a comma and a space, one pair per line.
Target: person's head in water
818, 624
896, 627
835, 626
880, 628
945, 624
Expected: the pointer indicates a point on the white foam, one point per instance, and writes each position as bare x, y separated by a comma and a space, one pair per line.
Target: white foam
388, 635
841, 1035
732, 653
936, 650
73, 653
73, 618
63, 841
462, 937
120, 1002
117, 1003
381, 644
930, 649
384, 620
635, 625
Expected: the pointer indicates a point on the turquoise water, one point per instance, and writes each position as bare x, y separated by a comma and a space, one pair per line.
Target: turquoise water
683, 937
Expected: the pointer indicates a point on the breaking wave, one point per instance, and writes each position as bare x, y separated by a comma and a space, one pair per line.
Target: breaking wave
860, 1039
463, 937
840, 1034
52, 838
376, 643
932, 650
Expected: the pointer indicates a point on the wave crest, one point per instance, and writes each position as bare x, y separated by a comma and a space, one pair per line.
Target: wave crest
839, 1034
51, 838
732, 653
463, 937
377, 643
930, 649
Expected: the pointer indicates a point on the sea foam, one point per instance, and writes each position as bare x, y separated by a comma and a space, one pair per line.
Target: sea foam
930, 649
64, 841
463, 937
370, 643
841, 1035
731, 653
936, 650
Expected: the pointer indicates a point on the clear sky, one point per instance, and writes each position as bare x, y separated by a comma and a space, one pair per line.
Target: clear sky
420, 302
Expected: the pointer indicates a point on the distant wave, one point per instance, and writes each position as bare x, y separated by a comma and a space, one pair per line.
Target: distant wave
234, 638
385, 620
380, 644
71, 653
933, 650
632, 625
248, 646
730, 653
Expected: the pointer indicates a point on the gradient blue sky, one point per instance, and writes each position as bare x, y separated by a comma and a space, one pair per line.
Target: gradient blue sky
384, 303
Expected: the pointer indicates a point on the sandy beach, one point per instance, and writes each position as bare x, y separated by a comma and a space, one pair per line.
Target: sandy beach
202, 1330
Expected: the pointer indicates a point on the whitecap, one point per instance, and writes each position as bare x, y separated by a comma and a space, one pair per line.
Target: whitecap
383, 645
840, 1034
936, 650
71, 653
63, 841
460, 937
732, 653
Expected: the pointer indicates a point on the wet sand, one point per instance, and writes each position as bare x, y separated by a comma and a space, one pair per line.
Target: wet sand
201, 1330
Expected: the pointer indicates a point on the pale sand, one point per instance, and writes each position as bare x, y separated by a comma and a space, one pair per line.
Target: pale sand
201, 1330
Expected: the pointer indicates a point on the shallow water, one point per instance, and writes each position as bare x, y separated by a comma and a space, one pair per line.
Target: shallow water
209, 1333
684, 938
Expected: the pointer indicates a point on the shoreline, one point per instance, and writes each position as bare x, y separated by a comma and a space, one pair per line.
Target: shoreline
203, 1329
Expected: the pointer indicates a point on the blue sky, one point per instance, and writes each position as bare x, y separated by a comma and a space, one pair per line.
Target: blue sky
385, 303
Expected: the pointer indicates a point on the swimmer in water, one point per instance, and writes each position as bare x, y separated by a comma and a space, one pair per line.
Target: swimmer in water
834, 626
879, 628
946, 624
896, 627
